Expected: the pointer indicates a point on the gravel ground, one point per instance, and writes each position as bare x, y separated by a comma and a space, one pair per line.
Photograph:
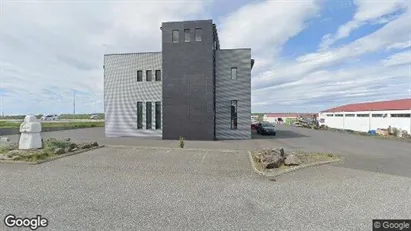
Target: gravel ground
360, 152
172, 189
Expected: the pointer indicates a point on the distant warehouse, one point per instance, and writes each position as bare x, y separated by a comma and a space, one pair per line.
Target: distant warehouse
369, 116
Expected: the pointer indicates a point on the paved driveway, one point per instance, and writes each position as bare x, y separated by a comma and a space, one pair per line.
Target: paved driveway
169, 189
362, 153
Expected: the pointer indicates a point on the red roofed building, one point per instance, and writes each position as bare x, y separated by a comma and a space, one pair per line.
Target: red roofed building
369, 116
283, 117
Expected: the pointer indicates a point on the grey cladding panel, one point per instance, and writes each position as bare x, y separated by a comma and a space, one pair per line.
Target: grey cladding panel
122, 92
228, 89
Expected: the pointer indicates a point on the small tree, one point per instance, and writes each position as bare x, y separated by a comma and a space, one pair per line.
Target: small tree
181, 139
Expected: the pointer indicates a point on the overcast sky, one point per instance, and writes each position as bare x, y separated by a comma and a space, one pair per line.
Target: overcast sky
310, 54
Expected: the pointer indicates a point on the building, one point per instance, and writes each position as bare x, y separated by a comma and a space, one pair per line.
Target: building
192, 88
364, 117
287, 118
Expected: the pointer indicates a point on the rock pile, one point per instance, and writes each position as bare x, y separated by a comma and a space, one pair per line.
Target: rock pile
274, 158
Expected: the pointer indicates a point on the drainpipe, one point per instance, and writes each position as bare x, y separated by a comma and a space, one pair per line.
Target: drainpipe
369, 120
343, 120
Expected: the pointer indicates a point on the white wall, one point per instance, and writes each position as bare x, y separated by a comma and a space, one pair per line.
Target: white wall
365, 124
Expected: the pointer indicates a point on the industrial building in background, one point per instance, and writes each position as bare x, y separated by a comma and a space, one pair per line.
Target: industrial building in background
192, 88
365, 117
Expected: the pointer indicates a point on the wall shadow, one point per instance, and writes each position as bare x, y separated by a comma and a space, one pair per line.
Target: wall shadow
281, 134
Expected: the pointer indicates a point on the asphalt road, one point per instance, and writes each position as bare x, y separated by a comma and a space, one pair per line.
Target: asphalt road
360, 152
169, 189
56, 121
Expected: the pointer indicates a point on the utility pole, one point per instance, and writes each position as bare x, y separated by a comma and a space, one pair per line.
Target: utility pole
1, 104
74, 102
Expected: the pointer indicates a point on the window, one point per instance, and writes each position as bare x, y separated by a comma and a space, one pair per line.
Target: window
148, 75
175, 36
363, 115
376, 115
234, 73
187, 35
148, 115
139, 76
401, 115
139, 115
349, 115
158, 115
338, 115
330, 115
198, 34
158, 75
233, 114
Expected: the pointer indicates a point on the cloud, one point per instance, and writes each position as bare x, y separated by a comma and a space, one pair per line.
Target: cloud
368, 11
265, 27
50, 48
400, 58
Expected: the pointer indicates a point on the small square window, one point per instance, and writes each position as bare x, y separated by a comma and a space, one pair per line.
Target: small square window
234, 73
158, 75
175, 36
187, 35
198, 34
139, 76
148, 75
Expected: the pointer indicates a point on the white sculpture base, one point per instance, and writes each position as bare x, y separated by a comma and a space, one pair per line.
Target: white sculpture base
30, 141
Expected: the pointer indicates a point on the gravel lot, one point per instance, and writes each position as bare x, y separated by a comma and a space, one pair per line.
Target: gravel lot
172, 189
362, 153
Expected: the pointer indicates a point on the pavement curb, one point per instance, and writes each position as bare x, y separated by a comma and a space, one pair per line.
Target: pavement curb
292, 169
50, 159
175, 148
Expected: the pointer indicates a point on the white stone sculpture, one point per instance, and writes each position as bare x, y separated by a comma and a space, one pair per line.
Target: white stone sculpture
30, 133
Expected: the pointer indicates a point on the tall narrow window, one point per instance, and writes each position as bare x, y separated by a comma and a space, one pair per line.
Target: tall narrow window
148, 75
175, 36
233, 114
148, 115
158, 115
158, 75
139, 115
139, 75
198, 34
187, 35
234, 73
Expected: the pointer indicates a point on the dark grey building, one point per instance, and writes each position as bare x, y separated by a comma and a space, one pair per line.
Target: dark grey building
191, 89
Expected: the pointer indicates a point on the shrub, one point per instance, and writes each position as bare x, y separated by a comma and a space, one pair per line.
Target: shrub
181, 139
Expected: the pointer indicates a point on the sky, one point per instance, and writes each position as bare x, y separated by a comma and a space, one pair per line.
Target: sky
310, 55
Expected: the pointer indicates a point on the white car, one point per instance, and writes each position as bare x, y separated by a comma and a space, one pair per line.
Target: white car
50, 117
94, 117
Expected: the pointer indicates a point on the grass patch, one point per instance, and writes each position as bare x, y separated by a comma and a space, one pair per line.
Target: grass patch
305, 157
77, 124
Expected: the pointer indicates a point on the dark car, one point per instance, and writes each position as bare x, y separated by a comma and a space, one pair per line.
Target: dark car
266, 129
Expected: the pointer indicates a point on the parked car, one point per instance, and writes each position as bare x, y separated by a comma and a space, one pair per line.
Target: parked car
50, 117
266, 128
254, 126
94, 117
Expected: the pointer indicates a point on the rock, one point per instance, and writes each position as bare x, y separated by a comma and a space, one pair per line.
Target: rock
4, 140
271, 158
85, 146
74, 149
68, 139
95, 144
59, 151
292, 159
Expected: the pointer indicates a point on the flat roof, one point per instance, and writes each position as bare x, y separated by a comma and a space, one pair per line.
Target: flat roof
136, 53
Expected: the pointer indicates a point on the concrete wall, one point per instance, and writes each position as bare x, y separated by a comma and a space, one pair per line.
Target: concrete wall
188, 86
364, 124
228, 89
122, 92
